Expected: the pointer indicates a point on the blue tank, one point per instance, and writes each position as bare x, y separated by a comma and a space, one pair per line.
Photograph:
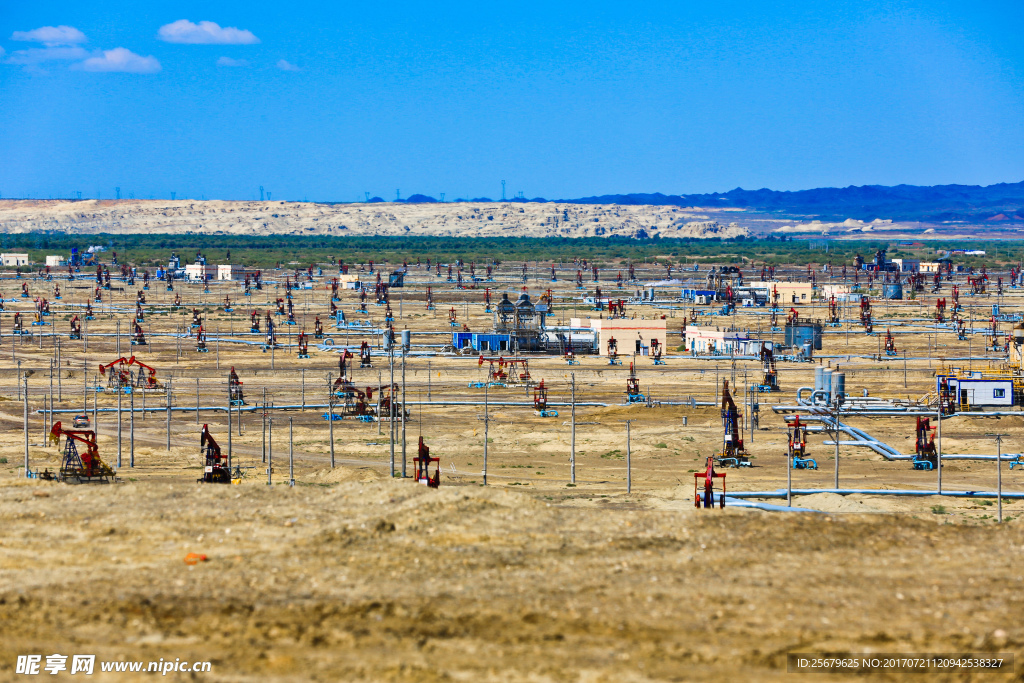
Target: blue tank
892, 291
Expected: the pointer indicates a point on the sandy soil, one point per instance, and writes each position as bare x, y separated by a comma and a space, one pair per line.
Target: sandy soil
388, 581
353, 575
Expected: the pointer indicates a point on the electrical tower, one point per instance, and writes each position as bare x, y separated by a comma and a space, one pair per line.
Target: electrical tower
117, 192
261, 193
173, 195
442, 197
502, 190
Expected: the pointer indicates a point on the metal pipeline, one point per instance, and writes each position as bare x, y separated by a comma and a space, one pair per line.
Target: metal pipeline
299, 406
970, 456
781, 493
862, 437
894, 411
820, 392
814, 392
161, 409
733, 502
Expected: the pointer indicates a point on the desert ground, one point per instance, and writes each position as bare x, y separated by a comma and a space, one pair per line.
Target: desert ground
352, 574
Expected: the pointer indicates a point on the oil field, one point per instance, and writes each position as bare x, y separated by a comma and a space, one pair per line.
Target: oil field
492, 470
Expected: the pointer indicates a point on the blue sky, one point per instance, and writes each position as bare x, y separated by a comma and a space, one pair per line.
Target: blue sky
326, 101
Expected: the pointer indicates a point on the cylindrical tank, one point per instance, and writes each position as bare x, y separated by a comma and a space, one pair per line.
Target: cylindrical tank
892, 291
826, 381
406, 339
817, 377
838, 387
796, 335
995, 309
808, 348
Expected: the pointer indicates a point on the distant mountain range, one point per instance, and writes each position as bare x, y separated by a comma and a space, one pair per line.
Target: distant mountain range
991, 204
938, 203
901, 202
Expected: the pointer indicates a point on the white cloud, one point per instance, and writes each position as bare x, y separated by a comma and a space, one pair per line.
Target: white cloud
51, 36
286, 66
2, 51
228, 61
204, 33
38, 55
121, 60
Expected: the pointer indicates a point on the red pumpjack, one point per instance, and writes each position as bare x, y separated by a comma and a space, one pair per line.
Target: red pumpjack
216, 469
422, 467
80, 468
708, 476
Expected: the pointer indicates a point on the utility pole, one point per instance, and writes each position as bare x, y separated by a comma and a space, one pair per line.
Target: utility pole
999, 474
131, 432
25, 379
169, 396
835, 414
229, 431
330, 415
391, 400
119, 392
629, 459
291, 455
487, 420
404, 350
572, 452
789, 475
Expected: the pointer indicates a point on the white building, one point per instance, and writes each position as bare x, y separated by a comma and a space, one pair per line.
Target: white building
977, 391
56, 261
230, 272
701, 341
198, 272
840, 292
14, 260
907, 265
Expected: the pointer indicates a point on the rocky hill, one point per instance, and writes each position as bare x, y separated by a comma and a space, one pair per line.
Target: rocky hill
495, 219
